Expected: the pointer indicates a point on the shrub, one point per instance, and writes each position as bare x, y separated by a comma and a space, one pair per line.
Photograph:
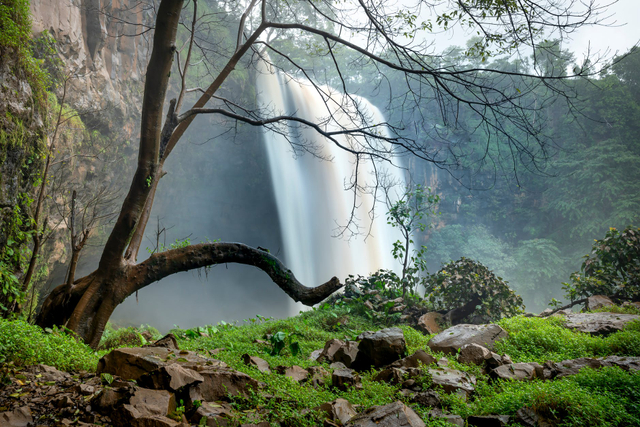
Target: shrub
25, 344
459, 282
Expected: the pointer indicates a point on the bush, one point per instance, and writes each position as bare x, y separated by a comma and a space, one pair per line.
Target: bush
25, 344
127, 337
612, 268
459, 282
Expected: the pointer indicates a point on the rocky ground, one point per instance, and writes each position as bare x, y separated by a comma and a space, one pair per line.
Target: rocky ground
160, 385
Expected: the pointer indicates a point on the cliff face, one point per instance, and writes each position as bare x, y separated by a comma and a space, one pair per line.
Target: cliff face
104, 47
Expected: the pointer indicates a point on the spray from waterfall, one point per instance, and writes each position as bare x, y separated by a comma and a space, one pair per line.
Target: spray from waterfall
312, 178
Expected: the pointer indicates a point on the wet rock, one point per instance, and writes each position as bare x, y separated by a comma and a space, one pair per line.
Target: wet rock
379, 348
452, 380
488, 420
429, 398
20, 417
294, 372
599, 323
516, 371
217, 414
132, 363
414, 361
473, 354
429, 323
168, 341
171, 377
219, 383
454, 338
258, 363
147, 408
339, 351
343, 379
598, 301
395, 414
338, 410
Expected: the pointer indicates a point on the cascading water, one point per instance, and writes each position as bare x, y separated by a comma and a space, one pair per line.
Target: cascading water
310, 189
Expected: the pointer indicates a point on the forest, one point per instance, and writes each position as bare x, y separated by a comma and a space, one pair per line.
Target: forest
461, 222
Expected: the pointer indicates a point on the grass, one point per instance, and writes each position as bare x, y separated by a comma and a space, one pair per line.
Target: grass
25, 344
540, 339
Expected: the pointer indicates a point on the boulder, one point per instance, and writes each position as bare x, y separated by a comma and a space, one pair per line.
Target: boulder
220, 383
454, 420
527, 417
19, 417
598, 301
414, 361
452, 380
294, 372
132, 363
394, 414
168, 341
599, 323
516, 371
217, 414
488, 420
339, 351
338, 410
391, 376
379, 348
429, 323
454, 338
343, 379
318, 375
473, 354
170, 377
146, 408
258, 363
429, 399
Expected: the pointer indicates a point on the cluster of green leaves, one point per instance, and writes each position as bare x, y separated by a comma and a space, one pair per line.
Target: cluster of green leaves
602, 397
127, 337
541, 339
612, 268
25, 344
460, 282
15, 41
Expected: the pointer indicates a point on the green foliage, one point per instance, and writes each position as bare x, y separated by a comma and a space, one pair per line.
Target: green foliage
459, 282
603, 397
15, 41
542, 339
25, 344
280, 340
127, 337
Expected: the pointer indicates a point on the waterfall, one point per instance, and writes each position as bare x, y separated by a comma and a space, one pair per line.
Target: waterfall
310, 189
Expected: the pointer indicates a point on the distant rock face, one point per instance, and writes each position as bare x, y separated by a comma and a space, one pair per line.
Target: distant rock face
101, 42
454, 338
599, 323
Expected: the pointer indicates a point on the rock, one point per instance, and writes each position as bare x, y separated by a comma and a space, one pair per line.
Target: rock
562, 312
219, 383
339, 351
338, 365
394, 414
414, 361
429, 323
168, 341
338, 410
368, 305
452, 380
598, 301
516, 371
318, 375
20, 417
599, 323
506, 359
171, 377
49, 373
443, 362
258, 363
85, 389
429, 398
527, 417
398, 308
110, 397
473, 354
379, 348
147, 408
452, 339
343, 379
132, 363
295, 372
315, 354
217, 414
391, 376
571, 367
488, 420
494, 360
455, 420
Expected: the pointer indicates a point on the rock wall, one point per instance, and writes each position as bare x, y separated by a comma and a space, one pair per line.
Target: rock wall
104, 45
